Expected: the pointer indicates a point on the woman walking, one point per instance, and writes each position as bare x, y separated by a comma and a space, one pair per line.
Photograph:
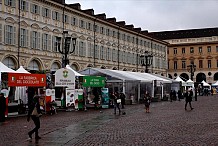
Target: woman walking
147, 100
34, 113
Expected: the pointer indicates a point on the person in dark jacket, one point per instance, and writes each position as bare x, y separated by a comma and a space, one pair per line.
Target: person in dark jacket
188, 99
122, 97
34, 117
147, 100
2, 107
115, 97
179, 94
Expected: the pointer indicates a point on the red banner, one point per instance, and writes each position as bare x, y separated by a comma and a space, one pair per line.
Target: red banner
20, 79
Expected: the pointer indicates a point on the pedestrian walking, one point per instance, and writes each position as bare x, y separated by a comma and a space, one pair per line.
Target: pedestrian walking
122, 97
117, 102
188, 99
147, 100
2, 107
171, 95
34, 113
196, 95
179, 94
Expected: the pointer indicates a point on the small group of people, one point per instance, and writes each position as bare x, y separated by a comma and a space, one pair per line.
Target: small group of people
118, 98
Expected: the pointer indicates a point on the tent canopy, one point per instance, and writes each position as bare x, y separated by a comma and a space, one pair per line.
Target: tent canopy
22, 70
179, 79
124, 75
4, 68
215, 84
76, 73
205, 83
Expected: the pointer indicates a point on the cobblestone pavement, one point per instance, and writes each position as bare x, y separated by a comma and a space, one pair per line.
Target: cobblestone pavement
168, 124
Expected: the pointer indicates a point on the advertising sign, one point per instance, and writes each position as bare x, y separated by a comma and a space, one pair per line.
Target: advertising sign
65, 78
20, 79
78, 98
93, 81
105, 98
70, 97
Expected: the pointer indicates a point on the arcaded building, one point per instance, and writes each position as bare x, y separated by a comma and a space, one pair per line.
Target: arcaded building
29, 34
197, 46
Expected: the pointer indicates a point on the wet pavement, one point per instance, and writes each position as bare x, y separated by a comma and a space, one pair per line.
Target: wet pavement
168, 124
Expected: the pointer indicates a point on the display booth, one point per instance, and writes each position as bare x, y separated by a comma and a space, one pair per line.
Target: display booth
97, 96
27, 80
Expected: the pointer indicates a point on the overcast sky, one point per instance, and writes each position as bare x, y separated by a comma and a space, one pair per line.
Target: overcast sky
157, 15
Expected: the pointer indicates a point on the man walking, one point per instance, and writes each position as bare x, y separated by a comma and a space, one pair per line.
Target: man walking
2, 107
188, 99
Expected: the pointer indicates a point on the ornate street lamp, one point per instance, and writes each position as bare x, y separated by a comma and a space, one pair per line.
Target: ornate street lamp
146, 60
191, 69
66, 47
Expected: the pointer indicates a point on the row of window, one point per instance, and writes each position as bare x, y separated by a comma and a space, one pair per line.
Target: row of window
200, 64
192, 50
46, 12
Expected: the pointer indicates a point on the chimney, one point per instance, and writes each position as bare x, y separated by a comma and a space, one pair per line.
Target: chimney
101, 16
89, 11
76, 6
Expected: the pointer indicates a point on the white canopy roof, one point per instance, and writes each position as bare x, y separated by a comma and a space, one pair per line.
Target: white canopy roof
189, 81
215, 84
76, 73
124, 75
22, 70
179, 79
205, 83
4, 68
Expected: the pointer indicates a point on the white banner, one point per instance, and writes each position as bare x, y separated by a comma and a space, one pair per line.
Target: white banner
70, 97
65, 78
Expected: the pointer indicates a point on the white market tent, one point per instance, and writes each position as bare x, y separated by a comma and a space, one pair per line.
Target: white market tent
20, 92
76, 73
205, 84
4, 68
215, 84
22, 70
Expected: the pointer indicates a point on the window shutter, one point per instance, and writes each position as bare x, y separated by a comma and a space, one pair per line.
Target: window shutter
38, 10
13, 3
59, 17
27, 6
53, 44
0, 33
19, 39
53, 15
43, 12
39, 41
43, 42
27, 38
14, 36
31, 8
49, 13
31, 39
49, 43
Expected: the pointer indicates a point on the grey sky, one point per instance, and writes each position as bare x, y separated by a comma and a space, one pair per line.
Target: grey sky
157, 15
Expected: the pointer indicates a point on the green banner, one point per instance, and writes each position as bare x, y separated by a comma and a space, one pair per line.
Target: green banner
93, 81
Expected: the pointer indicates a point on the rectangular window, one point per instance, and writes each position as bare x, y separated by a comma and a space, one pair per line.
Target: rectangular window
46, 12
114, 33
90, 50
175, 51
11, 3
102, 30
108, 32
35, 40
56, 44
108, 54
183, 50
66, 18
183, 64
24, 6
175, 64
216, 48
200, 49
208, 49
96, 51
200, 63
46, 42
56, 16
10, 35
209, 63
89, 26
35, 9
217, 63
82, 49
128, 38
74, 21
191, 50
82, 24
23, 37
114, 55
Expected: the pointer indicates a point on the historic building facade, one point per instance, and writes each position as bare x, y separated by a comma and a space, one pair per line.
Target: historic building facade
194, 46
29, 33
